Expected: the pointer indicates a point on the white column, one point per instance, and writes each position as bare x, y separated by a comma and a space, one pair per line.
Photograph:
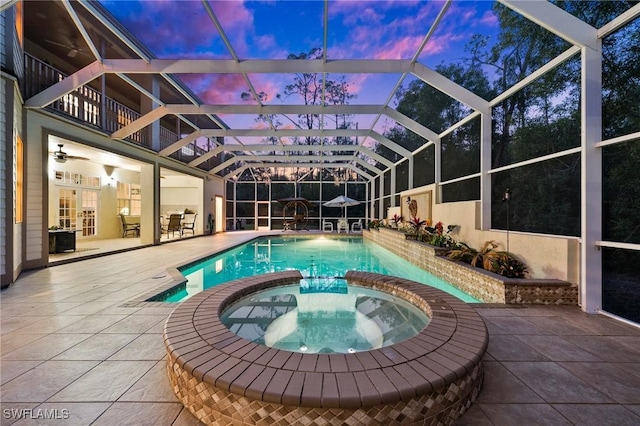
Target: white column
437, 155
485, 166
591, 179
393, 190
410, 172
381, 212
149, 190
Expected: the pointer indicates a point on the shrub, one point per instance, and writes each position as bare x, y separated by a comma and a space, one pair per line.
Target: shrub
490, 259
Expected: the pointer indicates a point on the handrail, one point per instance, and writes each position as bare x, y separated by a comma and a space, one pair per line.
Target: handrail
89, 106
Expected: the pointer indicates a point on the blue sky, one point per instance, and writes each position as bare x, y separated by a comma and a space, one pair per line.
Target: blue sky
375, 29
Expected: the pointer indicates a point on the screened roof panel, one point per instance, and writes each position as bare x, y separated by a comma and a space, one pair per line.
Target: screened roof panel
263, 29
441, 112
475, 29
595, 12
461, 21
216, 89
377, 29
181, 29
230, 62
359, 87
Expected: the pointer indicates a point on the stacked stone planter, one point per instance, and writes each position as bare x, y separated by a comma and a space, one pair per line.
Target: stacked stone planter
483, 285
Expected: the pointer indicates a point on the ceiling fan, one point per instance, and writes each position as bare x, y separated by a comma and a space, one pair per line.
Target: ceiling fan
73, 46
61, 157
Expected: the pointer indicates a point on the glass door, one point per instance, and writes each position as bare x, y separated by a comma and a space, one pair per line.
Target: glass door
78, 210
67, 208
89, 212
264, 208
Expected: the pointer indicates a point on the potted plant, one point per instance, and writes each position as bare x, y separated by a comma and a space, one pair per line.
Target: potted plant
490, 259
396, 219
415, 225
374, 224
439, 238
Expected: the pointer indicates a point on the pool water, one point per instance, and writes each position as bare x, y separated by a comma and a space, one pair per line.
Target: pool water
324, 315
312, 256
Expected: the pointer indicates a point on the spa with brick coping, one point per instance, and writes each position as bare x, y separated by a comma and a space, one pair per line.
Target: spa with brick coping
430, 378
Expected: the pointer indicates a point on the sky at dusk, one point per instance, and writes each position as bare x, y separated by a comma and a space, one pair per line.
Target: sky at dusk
375, 29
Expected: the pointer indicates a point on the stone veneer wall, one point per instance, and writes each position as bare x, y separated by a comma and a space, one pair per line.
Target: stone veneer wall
483, 285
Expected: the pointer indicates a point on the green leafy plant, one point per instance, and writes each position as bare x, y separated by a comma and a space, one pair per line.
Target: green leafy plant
465, 254
374, 224
490, 259
439, 238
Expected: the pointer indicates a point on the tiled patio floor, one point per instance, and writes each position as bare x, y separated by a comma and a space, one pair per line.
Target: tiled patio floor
70, 347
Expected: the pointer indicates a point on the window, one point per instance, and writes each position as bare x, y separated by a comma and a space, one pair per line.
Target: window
18, 200
129, 201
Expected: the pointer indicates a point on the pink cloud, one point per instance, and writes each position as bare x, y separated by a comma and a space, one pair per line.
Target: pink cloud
489, 19
216, 88
402, 48
440, 43
237, 22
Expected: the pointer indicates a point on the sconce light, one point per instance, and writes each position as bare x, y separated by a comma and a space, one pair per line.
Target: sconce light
506, 197
408, 200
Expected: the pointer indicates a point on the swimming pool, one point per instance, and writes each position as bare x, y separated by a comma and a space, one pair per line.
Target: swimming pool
312, 256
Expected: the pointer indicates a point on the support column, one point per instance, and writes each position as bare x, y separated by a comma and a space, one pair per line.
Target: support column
437, 155
410, 172
381, 197
485, 166
392, 187
591, 179
149, 190
147, 105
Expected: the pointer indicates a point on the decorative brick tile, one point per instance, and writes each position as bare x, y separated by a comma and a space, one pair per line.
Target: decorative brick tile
423, 380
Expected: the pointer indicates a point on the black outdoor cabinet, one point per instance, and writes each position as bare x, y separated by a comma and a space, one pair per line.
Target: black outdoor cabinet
62, 240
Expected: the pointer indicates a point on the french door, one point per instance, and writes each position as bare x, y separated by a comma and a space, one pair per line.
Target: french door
78, 210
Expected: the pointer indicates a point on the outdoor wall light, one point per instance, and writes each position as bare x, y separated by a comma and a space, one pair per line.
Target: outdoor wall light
408, 200
506, 197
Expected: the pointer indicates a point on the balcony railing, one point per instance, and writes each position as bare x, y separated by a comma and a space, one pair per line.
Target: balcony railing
91, 107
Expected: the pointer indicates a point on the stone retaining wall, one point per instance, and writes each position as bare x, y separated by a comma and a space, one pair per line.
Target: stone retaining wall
483, 285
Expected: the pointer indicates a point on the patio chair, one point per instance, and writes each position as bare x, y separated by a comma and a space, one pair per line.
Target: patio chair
129, 227
174, 225
189, 224
356, 226
343, 225
327, 225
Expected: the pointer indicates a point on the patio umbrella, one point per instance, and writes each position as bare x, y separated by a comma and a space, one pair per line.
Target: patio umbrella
342, 201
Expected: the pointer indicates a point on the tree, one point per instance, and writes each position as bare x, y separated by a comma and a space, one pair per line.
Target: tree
307, 88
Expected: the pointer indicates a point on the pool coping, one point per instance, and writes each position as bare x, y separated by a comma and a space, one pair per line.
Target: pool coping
447, 350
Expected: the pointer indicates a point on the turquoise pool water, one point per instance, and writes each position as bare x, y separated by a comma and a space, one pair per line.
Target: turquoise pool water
312, 256
324, 315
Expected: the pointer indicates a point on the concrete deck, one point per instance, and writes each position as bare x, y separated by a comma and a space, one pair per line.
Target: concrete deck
67, 345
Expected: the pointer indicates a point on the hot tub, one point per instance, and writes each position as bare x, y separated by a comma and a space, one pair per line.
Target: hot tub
222, 378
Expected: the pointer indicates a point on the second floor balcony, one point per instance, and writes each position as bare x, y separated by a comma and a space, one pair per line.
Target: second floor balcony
90, 107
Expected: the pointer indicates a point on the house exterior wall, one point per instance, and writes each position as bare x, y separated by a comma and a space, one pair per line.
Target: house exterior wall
32, 234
